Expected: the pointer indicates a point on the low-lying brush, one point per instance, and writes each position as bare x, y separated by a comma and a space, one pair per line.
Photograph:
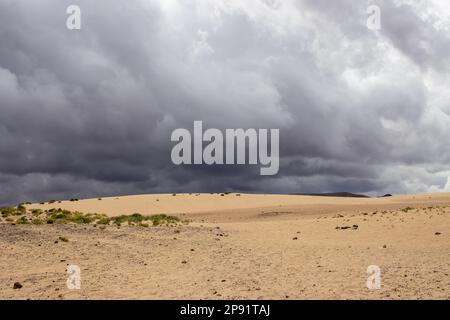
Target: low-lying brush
14, 211
60, 216
137, 218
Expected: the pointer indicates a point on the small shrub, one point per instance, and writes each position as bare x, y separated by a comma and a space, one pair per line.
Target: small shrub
22, 220
104, 221
36, 212
16, 211
37, 221
162, 219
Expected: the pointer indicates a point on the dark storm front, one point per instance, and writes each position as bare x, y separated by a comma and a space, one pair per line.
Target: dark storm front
227, 310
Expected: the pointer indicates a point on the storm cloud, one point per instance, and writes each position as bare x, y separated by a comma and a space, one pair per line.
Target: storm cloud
88, 113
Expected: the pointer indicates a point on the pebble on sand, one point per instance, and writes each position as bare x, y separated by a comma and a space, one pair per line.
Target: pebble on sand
17, 285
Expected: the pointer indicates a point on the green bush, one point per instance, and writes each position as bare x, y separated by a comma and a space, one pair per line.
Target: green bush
37, 221
22, 220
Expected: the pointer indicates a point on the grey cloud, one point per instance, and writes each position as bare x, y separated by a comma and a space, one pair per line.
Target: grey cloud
89, 113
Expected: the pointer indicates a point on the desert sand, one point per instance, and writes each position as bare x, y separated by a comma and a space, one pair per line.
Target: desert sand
237, 246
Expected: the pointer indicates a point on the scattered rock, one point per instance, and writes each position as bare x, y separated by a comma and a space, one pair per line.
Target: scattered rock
184, 262
355, 227
17, 285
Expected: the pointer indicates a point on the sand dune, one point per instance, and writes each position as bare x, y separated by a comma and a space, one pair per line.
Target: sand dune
237, 246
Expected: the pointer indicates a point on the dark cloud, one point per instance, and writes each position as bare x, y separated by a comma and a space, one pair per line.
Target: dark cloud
89, 113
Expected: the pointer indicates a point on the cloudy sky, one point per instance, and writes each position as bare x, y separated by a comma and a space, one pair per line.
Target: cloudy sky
88, 113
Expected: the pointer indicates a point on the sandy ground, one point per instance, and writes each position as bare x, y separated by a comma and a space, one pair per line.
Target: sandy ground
237, 247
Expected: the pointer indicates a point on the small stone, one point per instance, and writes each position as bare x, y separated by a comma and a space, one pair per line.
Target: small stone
384, 246
17, 285
437, 234
294, 238
184, 262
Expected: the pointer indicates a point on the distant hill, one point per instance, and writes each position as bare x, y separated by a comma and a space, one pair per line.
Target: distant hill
335, 194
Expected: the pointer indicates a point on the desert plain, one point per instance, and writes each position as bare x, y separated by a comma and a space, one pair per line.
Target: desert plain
234, 246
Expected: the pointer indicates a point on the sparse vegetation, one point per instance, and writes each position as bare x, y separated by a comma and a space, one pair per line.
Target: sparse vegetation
37, 221
139, 219
36, 212
60, 216
22, 220
15, 211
